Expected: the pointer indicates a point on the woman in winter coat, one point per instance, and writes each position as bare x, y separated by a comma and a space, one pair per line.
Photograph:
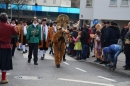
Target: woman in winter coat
112, 34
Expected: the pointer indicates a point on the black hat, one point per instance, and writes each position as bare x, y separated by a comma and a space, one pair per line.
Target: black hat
16, 23
51, 24
47, 24
44, 20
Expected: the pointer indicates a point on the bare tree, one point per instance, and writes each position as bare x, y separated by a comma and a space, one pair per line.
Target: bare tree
6, 2
20, 4
75, 3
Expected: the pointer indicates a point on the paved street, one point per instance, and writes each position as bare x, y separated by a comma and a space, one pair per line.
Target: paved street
71, 73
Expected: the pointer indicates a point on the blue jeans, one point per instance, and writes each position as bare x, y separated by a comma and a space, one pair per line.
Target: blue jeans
105, 57
113, 57
84, 51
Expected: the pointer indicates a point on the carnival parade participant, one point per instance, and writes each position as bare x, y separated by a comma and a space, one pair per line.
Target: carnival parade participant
14, 38
23, 33
59, 46
44, 39
78, 46
55, 26
20, 28
34, 38
127, 50
6, 32
51, 31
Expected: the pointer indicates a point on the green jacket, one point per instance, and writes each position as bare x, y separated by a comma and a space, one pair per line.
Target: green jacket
33, 34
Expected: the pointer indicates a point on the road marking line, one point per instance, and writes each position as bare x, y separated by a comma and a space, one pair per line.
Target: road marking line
88, 82
107, 78
81, 69
66, 63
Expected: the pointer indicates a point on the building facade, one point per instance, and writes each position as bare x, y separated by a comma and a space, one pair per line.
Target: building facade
118, 10
62, 3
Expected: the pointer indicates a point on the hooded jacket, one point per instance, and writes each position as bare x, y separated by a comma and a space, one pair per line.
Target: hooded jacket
112, 35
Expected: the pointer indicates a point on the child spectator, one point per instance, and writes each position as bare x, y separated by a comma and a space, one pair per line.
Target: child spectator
78, 46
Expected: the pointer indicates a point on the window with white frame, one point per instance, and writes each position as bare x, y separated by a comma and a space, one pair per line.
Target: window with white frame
44, 1
54, 1
113, 2
124, 2
88, 3
34, 0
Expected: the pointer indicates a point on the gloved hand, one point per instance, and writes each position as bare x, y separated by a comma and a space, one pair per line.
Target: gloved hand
61, 38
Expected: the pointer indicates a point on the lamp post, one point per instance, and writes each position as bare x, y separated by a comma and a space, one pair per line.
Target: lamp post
35, 9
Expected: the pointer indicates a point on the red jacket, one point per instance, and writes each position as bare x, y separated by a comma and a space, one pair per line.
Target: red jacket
6, 32
89, 40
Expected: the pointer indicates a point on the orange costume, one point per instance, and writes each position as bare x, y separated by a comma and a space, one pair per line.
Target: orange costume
51, 31
59, 46
19, 30
23, 33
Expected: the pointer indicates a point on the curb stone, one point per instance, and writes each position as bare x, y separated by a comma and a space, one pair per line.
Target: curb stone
116, 71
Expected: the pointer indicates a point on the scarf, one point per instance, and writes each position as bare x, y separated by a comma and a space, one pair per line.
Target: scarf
13, 24
35, 24
44, 32
55, 29
25, 30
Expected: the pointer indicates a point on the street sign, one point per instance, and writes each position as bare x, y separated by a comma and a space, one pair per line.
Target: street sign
95, 21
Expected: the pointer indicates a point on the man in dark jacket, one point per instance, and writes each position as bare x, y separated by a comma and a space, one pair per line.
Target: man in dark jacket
112, 34
123, 33
127, 50
84, 41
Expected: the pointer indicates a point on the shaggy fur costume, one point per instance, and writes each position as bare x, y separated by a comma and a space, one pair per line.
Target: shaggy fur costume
59, 48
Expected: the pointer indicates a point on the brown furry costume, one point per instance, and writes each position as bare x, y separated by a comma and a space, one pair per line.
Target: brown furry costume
59, 47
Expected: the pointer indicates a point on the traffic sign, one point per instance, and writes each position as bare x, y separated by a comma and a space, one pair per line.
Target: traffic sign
95, 21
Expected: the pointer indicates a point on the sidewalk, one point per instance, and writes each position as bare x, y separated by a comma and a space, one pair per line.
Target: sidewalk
120, 64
